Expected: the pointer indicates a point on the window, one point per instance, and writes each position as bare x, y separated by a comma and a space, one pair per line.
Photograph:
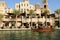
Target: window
3, 4
21, 4
33, 16
21, 9
27, 4
38, 17
24, 4
5, 11
27, 9
30, 6
24, 10
17, 6
27, 17
44, 6
1, 11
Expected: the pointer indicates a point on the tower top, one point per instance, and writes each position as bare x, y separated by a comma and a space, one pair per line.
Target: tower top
26, 0
37, 3
37, 6
45, 2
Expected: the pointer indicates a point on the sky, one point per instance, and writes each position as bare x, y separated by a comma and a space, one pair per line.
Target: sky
53, 4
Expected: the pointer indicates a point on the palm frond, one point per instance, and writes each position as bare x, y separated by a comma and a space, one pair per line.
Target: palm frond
57, 11
16, 12
1, 16
31, 12
46, 12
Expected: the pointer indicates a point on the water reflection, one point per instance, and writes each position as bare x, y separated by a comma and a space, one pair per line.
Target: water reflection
29, 35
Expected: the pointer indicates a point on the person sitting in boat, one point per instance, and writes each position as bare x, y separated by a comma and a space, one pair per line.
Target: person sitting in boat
40, 27
51, 27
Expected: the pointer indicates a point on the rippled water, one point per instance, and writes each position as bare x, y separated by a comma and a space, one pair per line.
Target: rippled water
29, 35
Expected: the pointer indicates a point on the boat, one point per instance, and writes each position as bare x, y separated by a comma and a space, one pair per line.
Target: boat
43, 29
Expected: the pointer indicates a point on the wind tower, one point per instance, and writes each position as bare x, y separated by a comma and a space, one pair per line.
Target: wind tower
45, 5
26, 1
37, 6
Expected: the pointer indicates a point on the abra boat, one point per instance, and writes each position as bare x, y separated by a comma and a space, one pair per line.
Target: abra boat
43, 29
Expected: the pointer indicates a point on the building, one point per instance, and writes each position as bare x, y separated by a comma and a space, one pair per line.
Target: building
37, 9
9, 20
45, 6
9, 10
3, 7
24, 6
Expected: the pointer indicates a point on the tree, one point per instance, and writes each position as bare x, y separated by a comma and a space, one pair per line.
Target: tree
16, 12
1, 16
31, 14
58, 12
21, 17
46, 13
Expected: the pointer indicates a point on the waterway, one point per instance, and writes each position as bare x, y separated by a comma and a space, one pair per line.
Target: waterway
29, 35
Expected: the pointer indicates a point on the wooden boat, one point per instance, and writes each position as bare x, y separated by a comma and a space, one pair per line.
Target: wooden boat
43, 29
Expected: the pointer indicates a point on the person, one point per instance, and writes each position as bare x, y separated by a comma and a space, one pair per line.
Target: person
51, 27
40, 27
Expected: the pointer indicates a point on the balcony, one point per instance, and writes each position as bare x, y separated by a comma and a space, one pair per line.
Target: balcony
5, 19
11, 19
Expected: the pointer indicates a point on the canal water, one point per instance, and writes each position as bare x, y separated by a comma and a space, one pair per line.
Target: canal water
29, 35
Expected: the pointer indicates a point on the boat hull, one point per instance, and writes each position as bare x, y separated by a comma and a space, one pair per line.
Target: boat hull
43, 30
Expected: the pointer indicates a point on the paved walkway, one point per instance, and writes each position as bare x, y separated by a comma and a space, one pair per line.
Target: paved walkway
16, 29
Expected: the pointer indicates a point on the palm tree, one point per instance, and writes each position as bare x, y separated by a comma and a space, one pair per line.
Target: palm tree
1, 16
31, 14
58, 12
21, 17
38, 18
16, 12
46, 13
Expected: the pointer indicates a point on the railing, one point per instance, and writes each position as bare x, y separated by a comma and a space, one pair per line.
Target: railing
27, 19
5, 19
11, 19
